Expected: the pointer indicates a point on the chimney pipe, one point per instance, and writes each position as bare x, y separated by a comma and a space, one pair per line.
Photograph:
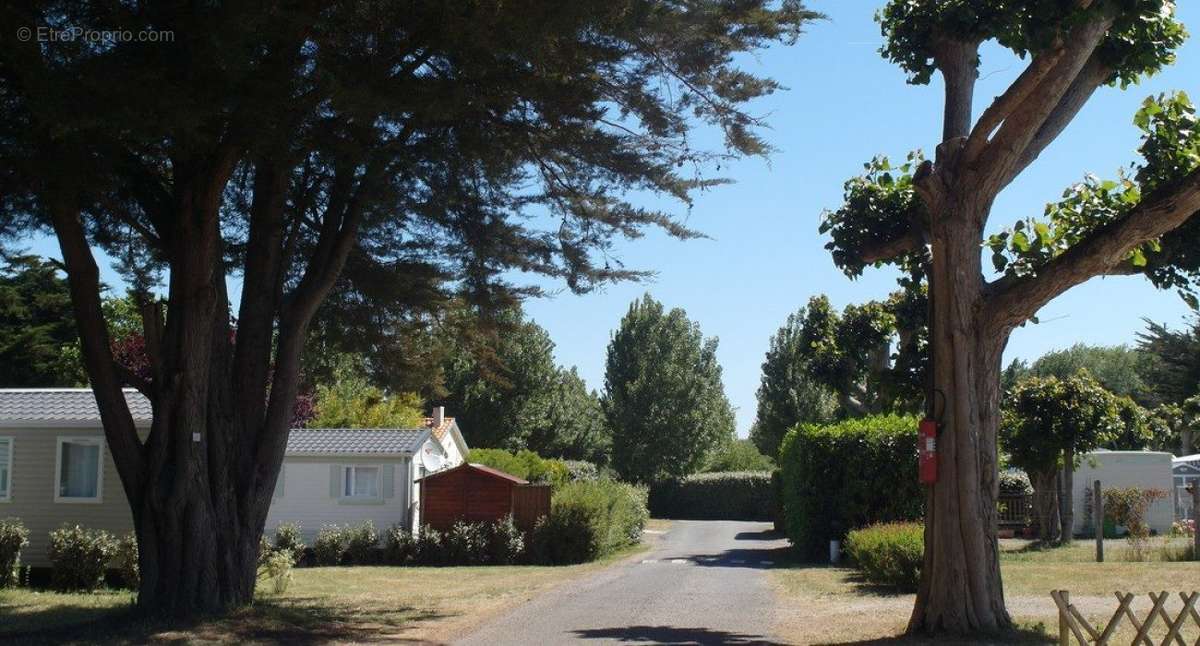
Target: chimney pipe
439, 416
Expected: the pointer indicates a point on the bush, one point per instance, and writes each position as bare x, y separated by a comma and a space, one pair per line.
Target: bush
278, 568
289, 539
330, 545
13, 537
590, 520
466, 544
889, 554
429, 547
524, 464
739, 455
362, 543
506, 542
1015, 483
847, 475
126, 561
399, 546
78, 557
582, 470
733, 495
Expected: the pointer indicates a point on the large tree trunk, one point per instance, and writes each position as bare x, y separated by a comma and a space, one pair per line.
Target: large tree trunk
960, 588
1045, 504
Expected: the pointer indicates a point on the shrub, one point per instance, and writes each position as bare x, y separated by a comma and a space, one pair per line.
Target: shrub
278, 568
889, 554
582, 470
13, 537
733, 495
1015, 483
429, 547
846, 475
126, 561
330, 545
524, 464
590, 520
289, 539
466, 543
506, 542
362, 543
399, 546
1128, 506
78, 557
739, 455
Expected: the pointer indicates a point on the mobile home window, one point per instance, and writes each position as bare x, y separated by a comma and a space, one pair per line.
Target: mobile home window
6, 452
360, 482
78, 470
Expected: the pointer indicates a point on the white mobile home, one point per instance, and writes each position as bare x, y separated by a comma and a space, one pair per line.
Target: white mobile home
1120, 469
1186, 471
55, 469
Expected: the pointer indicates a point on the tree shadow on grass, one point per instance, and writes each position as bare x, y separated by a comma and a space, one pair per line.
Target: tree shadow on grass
675, 636
1035, 634
292, 620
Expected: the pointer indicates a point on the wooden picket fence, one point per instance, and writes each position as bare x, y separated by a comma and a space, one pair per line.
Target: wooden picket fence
1072, 623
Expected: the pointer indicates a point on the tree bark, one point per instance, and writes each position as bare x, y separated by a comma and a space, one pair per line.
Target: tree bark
960, 590
1066, 498
1045, 504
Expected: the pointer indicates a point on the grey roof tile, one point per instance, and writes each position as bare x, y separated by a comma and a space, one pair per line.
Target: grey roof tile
374, 441
63, 405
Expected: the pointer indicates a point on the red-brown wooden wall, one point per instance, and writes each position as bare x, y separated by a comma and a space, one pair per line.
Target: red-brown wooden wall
473, 494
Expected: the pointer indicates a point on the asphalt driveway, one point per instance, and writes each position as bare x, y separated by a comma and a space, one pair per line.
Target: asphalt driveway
703, 583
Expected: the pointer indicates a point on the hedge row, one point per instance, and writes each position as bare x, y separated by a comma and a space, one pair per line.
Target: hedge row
848, 475
589, 520
79, 557
524, 464
728, 495
889, 554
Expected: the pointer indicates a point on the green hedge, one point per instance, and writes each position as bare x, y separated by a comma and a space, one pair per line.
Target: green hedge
889, 554
728, 495
589, 520
848, 475
524, 464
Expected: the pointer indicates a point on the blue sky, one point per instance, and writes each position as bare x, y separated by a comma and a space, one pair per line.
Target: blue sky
764, 258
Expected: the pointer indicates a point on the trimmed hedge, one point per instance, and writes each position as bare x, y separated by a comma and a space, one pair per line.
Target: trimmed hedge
848, 475
589, 520
727, 495
889, 554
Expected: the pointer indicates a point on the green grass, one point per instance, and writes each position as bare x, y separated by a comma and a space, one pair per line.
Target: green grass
322, 605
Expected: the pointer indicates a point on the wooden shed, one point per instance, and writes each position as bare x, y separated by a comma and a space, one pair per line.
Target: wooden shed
477, 493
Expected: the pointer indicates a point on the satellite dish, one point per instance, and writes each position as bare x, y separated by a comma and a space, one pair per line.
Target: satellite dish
431, 460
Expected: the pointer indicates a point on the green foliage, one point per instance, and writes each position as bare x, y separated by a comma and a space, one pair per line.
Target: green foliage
505, 542
737, 495
277, 567
79, 557
1175, 373
878, 206
329, 547
848, 475
739, 455
467, 543
505, 389
1014, 483
663, 395
1127, 507
362, 543
430, 547
289, 539
524, 464
399, 546
1118, 368
787, 393
13, 538
36, 324
126, 561
1170, 150
889, 553
351, 402
589, 520
1044, 417
1142, 40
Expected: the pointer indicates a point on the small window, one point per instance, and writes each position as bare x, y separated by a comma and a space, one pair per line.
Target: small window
360, 482
78, 472
6, 453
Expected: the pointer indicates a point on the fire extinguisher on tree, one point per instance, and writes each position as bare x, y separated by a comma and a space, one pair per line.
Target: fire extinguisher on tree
927, 437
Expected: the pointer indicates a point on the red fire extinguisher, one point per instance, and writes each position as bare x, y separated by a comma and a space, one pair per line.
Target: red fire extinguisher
927, 433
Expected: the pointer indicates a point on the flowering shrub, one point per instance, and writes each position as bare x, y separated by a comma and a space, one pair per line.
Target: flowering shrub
13, 537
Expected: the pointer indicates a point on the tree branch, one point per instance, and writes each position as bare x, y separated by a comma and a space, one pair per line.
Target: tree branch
1103, 252
1001, 155
908, 243
958, 62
